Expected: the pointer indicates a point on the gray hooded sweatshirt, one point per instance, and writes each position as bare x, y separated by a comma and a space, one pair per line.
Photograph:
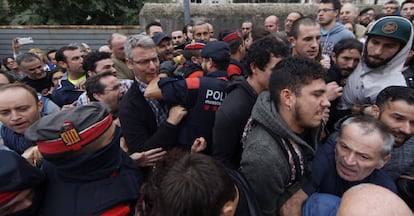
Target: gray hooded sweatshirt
364, 84
264, 162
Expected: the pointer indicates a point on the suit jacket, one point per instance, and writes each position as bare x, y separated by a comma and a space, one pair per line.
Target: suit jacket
139, 125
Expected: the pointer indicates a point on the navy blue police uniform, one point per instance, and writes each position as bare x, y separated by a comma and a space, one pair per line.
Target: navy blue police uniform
201, 96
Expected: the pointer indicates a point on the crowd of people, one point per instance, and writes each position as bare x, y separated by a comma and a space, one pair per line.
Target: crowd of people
314, 119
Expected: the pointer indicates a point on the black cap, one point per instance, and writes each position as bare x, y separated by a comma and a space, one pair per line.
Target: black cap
160, 36
216, 50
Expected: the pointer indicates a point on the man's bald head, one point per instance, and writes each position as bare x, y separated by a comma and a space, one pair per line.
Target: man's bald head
370, 199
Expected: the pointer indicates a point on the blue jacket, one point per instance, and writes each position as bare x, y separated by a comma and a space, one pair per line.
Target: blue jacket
325, 178
65, 92
332, 36
15, 141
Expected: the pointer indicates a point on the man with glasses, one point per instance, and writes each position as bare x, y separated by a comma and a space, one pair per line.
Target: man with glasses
332, 32
105, 88
366, 16
390, 8
97, 63
201, 96
146, 123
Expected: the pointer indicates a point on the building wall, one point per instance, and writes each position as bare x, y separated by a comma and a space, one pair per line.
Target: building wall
54, 37
224, 16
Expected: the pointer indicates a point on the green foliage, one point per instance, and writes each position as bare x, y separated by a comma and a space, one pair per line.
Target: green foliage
74, 12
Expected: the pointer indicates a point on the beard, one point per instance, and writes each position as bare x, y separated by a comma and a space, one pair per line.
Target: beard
371, 64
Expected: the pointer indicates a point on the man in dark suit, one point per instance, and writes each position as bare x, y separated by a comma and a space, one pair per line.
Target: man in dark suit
145, 122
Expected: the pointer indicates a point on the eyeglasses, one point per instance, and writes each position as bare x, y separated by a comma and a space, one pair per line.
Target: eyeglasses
368, 14
390, 8
114, 88
245, 28
145, 62
325, 10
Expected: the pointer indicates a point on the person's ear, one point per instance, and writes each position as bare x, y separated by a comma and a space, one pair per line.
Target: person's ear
292, 40
253, 68
194, 59
333, 57
129, 63
287, 98
375, 111
40, 105
384, 161
228, 209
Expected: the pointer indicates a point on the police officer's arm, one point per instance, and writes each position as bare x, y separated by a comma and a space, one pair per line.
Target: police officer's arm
153, 91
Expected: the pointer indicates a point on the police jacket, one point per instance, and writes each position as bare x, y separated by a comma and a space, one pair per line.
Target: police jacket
201, 96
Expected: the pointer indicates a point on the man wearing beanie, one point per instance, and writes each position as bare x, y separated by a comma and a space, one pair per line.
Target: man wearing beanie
388, 44
21, 185
201, 96
87, 172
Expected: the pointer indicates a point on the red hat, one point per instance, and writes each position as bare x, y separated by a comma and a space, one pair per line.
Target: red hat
231, 36
194, 46
70, 130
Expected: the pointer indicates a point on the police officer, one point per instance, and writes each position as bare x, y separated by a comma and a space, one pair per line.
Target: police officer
87, 172
201, 96
21, 185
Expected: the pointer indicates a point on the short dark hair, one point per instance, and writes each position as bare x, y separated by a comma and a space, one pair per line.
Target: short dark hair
185, 28
89, 63
195, 185
306, 21
235, 43
153, 23
392, 2
50, 51
336, 4
259, 32
249, 21
261, 50
365, 10
188, 53
60, 53
347, 44
293, 73
221, 65
53, 71
394, 93
93, 84
405, 2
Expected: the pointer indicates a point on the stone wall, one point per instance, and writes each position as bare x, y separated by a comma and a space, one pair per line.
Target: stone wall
229, 16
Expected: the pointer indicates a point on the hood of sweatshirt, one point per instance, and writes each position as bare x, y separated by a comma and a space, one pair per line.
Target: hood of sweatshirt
264, 112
